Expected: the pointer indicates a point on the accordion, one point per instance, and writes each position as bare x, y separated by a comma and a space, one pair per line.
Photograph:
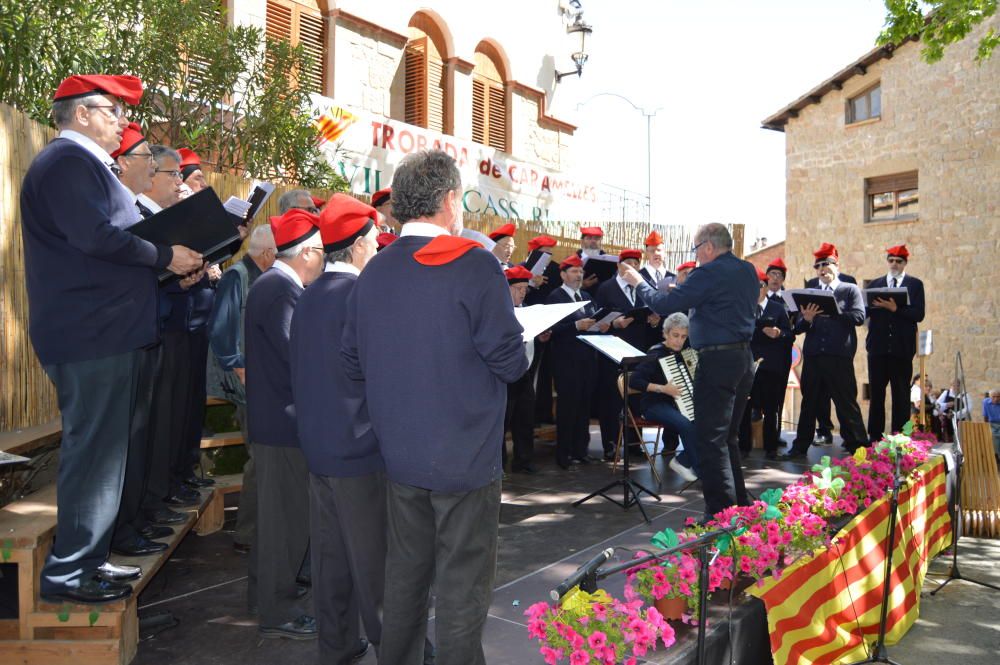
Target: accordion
679, 369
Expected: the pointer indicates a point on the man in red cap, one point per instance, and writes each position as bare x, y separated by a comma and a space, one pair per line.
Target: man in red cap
346, 473
828, 359
436, 405
504, 247
540, 286
619, 296
191, 173
892, 343
574, 367
519, 418
591, 238
683, 270
385, 239
655, 269
92, 299
777, 272
282, 474
770, 346
382, 202
824, 424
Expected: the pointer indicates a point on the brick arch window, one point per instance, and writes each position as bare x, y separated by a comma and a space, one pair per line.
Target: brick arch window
490, 105
425, 87
301, 24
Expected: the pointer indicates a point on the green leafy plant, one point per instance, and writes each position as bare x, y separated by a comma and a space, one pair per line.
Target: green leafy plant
938, 24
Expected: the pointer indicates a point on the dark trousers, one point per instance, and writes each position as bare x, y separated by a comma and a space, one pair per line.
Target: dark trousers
895, 372
96, 399
282, 533
675, 423
245, 531
543, 392
191, 409
519, 419
721, 387
824, 423
450, 538
833, 375
766, 397
347, 522
130, 519
573, 389
165, 421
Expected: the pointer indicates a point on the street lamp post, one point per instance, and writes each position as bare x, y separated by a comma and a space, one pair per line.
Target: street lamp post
649, 149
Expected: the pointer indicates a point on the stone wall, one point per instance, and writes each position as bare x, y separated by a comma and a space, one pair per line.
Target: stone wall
942, 120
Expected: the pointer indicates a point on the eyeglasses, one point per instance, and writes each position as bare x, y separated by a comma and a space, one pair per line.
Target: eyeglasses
313, 209
148, 156
171, 174
114, 110
823, 264
695, 248
895, 259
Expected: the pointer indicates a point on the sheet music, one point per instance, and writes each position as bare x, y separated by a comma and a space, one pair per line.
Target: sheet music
536, 319
613, 347
10, 458
607, 258
236, 206
607, 318
786, 295
481, 238
543, 261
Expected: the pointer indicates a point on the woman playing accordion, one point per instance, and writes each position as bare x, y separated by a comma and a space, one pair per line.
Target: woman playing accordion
666, 386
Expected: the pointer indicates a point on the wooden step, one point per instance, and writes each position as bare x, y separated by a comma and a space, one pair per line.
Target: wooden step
222, 439
216, 401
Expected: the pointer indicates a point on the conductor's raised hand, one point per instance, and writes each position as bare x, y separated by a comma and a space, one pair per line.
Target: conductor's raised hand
184, 260
630, 275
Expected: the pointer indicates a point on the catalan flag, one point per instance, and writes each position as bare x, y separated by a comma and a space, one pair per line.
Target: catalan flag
825, 609
333, 122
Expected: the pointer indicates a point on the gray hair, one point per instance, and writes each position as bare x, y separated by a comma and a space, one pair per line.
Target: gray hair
63, 109
292, 199
676, 320
421, 182
261, 239
717, 234
161, 152
343, 255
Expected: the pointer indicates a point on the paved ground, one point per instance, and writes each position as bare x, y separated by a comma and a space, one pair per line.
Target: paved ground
543, 539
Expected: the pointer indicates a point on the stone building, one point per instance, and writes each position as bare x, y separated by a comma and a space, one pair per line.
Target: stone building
892, 150
476, 78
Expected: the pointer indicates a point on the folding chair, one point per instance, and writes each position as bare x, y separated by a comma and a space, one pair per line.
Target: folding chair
637, 424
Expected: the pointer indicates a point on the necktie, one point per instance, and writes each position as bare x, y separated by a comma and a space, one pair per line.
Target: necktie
659, 276
630, 292
892, 282
760, 311
577, 297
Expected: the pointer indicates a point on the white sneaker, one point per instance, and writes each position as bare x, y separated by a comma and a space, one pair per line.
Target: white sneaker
682, 471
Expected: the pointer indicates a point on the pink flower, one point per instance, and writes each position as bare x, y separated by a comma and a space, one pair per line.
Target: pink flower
551, 656
600, 612
536, 628
597, 640
579, 657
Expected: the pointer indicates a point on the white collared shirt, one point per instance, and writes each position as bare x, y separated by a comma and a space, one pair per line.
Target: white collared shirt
834, 285
899, 280
622, 284
572, 294
340, 266
281, 266
422, 229
653, 272
89, 144
153, 206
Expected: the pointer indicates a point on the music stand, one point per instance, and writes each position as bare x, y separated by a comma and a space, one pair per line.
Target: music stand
626, 357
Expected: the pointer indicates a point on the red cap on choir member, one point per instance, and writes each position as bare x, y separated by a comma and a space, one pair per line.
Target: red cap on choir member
385, 239
131, 137
343, 221
761, 275
591, 231
900, 251
629, 254
503, 232
687, 266
318, 202
293, 227
541, 241
653, 239
381, 196
778, 264
572, 261
517, 274
190, 162
126, 88
827, 251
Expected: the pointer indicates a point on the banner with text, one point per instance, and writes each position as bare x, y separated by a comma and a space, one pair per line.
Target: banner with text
365, 150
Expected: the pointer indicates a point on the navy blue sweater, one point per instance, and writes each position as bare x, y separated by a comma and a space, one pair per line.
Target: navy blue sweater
335, 432
435, 346
267, 325
91, 285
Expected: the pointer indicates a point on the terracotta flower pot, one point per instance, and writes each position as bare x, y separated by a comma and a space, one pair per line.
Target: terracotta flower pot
671, 608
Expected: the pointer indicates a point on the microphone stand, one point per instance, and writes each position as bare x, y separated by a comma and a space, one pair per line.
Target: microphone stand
702, 543
878, 652
956, 524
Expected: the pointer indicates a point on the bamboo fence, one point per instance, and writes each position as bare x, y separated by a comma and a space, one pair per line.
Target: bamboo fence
27, 397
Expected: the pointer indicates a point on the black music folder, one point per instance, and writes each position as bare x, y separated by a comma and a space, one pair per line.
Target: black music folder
639, 313
899, 294
199, 222
604, 266
824, 299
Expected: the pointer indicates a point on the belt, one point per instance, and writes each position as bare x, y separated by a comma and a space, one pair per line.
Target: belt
735, 346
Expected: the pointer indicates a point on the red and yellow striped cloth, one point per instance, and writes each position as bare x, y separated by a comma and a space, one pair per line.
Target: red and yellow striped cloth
825, 609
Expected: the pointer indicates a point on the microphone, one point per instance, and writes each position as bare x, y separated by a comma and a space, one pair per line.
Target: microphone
583, 572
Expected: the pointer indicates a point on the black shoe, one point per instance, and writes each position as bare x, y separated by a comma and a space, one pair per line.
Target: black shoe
792, 454
304, 581
609, 455
363, 646
165, 516
154, 532
183, 497
580, 460
197, 483
139, 547
771, 455
302, 628
118, 573
94, 591
240, 548
523, 468
563, 464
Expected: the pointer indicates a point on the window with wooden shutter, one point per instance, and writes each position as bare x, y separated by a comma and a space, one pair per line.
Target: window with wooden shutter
893, 197
197, 64
303, 26
489, 104
424, 71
